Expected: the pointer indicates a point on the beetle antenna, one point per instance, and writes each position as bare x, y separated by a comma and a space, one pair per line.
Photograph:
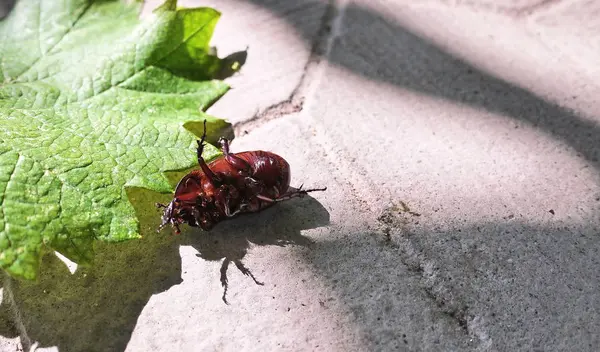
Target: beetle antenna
201, 145
203, 133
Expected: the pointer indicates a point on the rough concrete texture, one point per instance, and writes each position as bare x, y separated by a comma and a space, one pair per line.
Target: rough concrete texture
460, 144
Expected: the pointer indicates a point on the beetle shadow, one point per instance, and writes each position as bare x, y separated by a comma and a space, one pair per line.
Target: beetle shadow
279, 225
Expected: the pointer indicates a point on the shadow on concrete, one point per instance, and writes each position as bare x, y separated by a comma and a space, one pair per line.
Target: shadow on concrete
96, 308
385, 300
538, 285
5, 7
7, 326
279, 225
379, 49
519, 287
547, 275
528, 287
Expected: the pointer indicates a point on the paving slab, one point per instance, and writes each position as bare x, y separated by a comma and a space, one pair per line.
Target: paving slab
503, 174
571, 28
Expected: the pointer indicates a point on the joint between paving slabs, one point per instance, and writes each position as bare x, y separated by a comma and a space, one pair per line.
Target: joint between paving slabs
295, 102
533, 8
512, 11
393, 227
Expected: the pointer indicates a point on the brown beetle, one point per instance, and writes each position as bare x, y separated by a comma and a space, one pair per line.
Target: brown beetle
234, 183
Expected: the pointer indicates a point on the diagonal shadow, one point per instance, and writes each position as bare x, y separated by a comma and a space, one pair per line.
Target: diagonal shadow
411, 62
526, 287
375, 47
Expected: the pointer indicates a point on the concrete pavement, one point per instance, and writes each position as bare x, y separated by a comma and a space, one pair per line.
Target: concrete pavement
459, 142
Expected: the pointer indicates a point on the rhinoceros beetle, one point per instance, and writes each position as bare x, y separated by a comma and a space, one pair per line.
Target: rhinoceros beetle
234, 183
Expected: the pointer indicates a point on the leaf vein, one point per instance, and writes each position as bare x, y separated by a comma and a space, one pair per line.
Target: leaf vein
182, 42
42, 54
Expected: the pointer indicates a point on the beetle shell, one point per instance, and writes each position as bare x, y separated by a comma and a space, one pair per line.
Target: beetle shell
229, 185
269, 168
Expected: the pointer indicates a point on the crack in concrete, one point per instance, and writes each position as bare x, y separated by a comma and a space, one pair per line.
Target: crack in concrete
295, 102
289, 106
362, 191
370, 196
523, 11
393, 225
533, 8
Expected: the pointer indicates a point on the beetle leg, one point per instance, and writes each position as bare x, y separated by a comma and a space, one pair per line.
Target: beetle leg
238, 163
230, 214
176, 227
223, 199
289, 195
214, 179
253, 185
197, 216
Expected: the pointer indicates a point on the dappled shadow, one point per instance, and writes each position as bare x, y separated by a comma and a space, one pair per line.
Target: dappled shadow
532, 286
96, 308
280, 225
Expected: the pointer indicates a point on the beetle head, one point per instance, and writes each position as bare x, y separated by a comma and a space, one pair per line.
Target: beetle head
170, 215
177, 212
190, 205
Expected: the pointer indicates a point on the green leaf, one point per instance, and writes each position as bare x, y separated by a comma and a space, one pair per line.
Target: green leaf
94, 100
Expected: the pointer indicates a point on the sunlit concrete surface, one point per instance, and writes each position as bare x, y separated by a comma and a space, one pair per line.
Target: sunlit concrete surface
460, 144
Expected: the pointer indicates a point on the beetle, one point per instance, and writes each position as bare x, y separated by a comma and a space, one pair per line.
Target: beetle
233, 183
